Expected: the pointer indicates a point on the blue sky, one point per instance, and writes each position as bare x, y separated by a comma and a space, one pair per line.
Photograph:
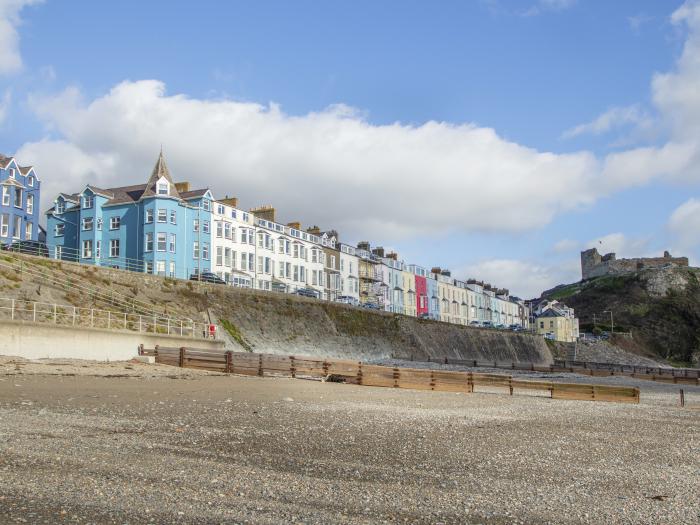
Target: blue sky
462, 134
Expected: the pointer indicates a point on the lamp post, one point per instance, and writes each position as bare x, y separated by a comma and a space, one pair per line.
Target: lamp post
612, 324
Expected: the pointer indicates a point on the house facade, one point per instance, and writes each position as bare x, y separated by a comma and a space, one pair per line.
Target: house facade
159, 227
20, 189
166, 228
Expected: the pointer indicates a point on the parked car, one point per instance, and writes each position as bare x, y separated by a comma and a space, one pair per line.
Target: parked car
207, 277
348, 299
28, 247
487, 324
475, 323
371, 306
308, 292
424, 315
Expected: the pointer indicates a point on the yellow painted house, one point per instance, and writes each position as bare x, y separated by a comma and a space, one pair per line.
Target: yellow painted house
558, 326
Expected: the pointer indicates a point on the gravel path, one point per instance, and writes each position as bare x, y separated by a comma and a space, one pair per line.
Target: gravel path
203, 448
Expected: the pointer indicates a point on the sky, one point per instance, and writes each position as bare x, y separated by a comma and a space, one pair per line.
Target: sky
496, 138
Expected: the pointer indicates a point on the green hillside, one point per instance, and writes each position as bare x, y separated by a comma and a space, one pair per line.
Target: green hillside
661, 309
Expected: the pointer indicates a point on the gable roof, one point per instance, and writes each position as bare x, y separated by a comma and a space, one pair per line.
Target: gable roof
551, 312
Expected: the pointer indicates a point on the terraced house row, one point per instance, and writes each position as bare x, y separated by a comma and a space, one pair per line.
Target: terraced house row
166, 228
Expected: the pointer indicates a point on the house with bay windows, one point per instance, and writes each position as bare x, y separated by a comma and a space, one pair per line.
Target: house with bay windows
19, 204
159, 227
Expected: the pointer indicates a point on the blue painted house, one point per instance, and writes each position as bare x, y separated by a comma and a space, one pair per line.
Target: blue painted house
19, 204
159, 227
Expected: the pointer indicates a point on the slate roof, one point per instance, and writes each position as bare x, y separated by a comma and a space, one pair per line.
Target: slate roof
134, 193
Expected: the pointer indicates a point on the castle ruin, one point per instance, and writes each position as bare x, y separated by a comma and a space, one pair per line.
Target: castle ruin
595, 265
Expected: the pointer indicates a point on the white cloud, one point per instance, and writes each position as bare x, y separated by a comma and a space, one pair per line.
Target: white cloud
10, 59
637, 21
566, 246
5, 103
612, 119
525, 279
684, 226
330, 168
621, 245
543, 6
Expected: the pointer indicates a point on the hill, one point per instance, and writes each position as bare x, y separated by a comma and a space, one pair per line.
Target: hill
261, 321
659, 307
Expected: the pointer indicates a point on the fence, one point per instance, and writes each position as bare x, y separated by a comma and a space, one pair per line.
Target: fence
686, 376
58, 314
359, 373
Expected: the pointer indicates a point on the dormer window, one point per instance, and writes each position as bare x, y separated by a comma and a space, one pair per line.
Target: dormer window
30, 181
11, 171
163, 187
60, 207
88, 201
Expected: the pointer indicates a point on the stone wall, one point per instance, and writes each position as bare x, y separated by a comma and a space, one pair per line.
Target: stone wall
595, 265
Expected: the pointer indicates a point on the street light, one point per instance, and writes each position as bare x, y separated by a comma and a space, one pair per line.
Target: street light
612, 324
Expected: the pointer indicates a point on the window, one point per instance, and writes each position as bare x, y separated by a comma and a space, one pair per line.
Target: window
160, 267
205, 251
195, 225
87, 224
296, 251
205, 227
268, 266
60, 205
314, 256
342, 264
5, 196
28, 231
58, 254
88, 201
244, 261
18, 197
244, 235
332, 264
163, 187
114, 248
172, 243
206, 205
149, 216
195, 249
148, 267
161, 242
219, 256
18, 227
173, 217
251, 261
30, 204
11, 171
260, 264
59, 229
228, 230
245, 217
99, 224
162, 215
4, 225
149, 242
30, 181
87, 249
219, 229
172, 269
227, 257
220, 209
114, 223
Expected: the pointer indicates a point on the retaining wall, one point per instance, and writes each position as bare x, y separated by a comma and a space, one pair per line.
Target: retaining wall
36, 341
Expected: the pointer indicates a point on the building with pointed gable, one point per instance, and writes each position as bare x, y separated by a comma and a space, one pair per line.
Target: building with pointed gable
19, 207
159, 227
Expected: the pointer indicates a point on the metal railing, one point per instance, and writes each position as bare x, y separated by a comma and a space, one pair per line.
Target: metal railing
59, 314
